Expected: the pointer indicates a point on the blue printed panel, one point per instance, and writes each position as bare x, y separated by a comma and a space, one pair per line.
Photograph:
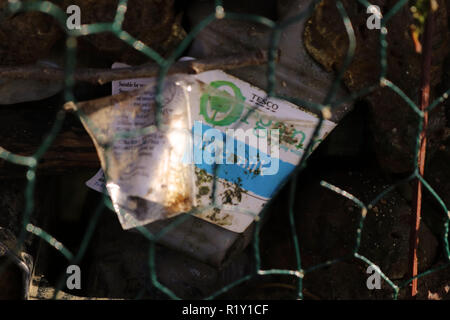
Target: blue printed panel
247, 174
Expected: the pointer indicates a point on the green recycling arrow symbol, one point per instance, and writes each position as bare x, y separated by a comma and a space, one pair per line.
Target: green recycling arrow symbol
222, 110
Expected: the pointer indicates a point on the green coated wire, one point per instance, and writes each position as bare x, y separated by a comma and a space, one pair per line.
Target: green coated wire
328, 105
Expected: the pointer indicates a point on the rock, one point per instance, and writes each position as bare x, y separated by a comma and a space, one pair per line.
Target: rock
327, 227
23, 90
393, 123
120, 267
151, 21
437, 174
198, 10
15, 269
344, 281
297, 74
24, 126
202, 240
17, 91
20, 258
40, 289
350, 138
26, 37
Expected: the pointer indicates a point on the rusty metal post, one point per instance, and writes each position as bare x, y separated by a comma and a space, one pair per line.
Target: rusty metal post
425, 100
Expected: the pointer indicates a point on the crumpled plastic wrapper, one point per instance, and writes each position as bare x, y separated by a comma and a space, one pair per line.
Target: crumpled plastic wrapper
207, 156
146, 177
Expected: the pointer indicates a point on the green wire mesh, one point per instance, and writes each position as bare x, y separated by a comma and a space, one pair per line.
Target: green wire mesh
115, 27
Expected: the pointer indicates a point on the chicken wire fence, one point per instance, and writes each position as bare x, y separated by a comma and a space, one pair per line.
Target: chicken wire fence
323, 109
